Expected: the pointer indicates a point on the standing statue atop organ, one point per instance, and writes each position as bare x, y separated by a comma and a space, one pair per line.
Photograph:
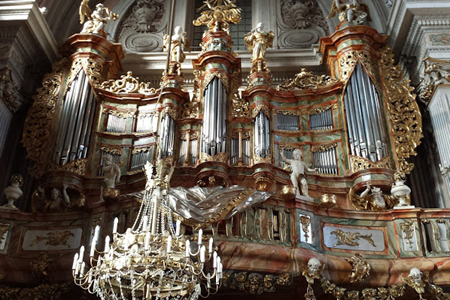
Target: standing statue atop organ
179, 41
221, 13
258, 41
352, 11
298, 171
96, 20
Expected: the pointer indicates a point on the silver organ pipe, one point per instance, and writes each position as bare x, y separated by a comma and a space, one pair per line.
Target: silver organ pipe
366, 131
183, 151
167, 136
116, 124
246, 150
75, 125
287, 122
214, 118
322, 120
262, 135
234, 150
146, 123
139, 158
193, 151
326, 161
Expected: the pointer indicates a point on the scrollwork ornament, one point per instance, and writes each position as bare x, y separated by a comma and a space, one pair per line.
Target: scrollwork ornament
255, 283
360, 268
306, 80
323, 148
408, 229
112, 151
190, 110
359, 163
220, 75
351, 238
240, 107
36, 134
127, 84
77, 166
263, 108
348, 62
93, 69
404, 114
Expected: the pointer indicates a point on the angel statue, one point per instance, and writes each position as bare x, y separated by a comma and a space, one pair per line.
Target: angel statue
258, 41
179, 40
95, 20
352, 11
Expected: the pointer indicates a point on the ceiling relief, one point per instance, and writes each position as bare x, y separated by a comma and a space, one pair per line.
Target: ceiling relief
300, 24
142, 26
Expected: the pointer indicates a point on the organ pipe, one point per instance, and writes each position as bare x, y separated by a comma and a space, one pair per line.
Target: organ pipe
262, 135
365, 128
76, 120
214, 118
167, 136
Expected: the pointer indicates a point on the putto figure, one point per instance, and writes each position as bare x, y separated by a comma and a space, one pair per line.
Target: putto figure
258, 41
179, 41
96, 20
111, 171
298, 171
352, 11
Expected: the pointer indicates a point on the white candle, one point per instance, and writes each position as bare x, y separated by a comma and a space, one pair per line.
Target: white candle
177, 229
116, 223
80, 258
147, 241
208, 278
200, 233
107, 240
169, 244
202, 254
82, 269
188, 245
75, 261
219, 265
210, 249
91, 254
77, 268
215, 260
97, 233
145, 223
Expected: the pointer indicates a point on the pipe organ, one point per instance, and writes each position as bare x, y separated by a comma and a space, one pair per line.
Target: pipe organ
76, 121
322, 120
366, 132
324, 159
167, 136
214, 118
287, 120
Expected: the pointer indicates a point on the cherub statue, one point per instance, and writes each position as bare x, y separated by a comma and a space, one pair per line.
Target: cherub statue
312, 271
179, 40
258, 41
95, 20
352, 11
376, 200
298, 170
360, 268
416, 281
111, 171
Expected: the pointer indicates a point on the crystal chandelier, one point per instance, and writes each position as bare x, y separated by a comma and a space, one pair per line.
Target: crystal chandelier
151, 260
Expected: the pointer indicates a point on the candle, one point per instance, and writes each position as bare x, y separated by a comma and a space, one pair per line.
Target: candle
80, 258
200, 233
215, 260
97, 233
82, 269
107, 239
145, 223
75, 261
202, 254
169, 244
116, 223
188, 245
210, 249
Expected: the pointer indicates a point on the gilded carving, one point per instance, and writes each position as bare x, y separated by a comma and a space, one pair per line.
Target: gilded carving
141, 150
36, 134
404, 113
240, 107
352, 11
374, 201
306, 80
9, 92
93, 69
348, 62
77, 166
351, 238
219, 15
305, 221
3, 229
360, 268
408, 229
112, 151
220, 75
323, 148
255, 283
219, 157
190, 110
262, 160
360, 163
118, 113
169, 111
320, 110
97, 19
258, 108
39, 266
127, 84
43, 291
55, 238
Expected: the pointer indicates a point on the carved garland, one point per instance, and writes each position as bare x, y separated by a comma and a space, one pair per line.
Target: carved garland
404, 114
255, 283
323, 148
